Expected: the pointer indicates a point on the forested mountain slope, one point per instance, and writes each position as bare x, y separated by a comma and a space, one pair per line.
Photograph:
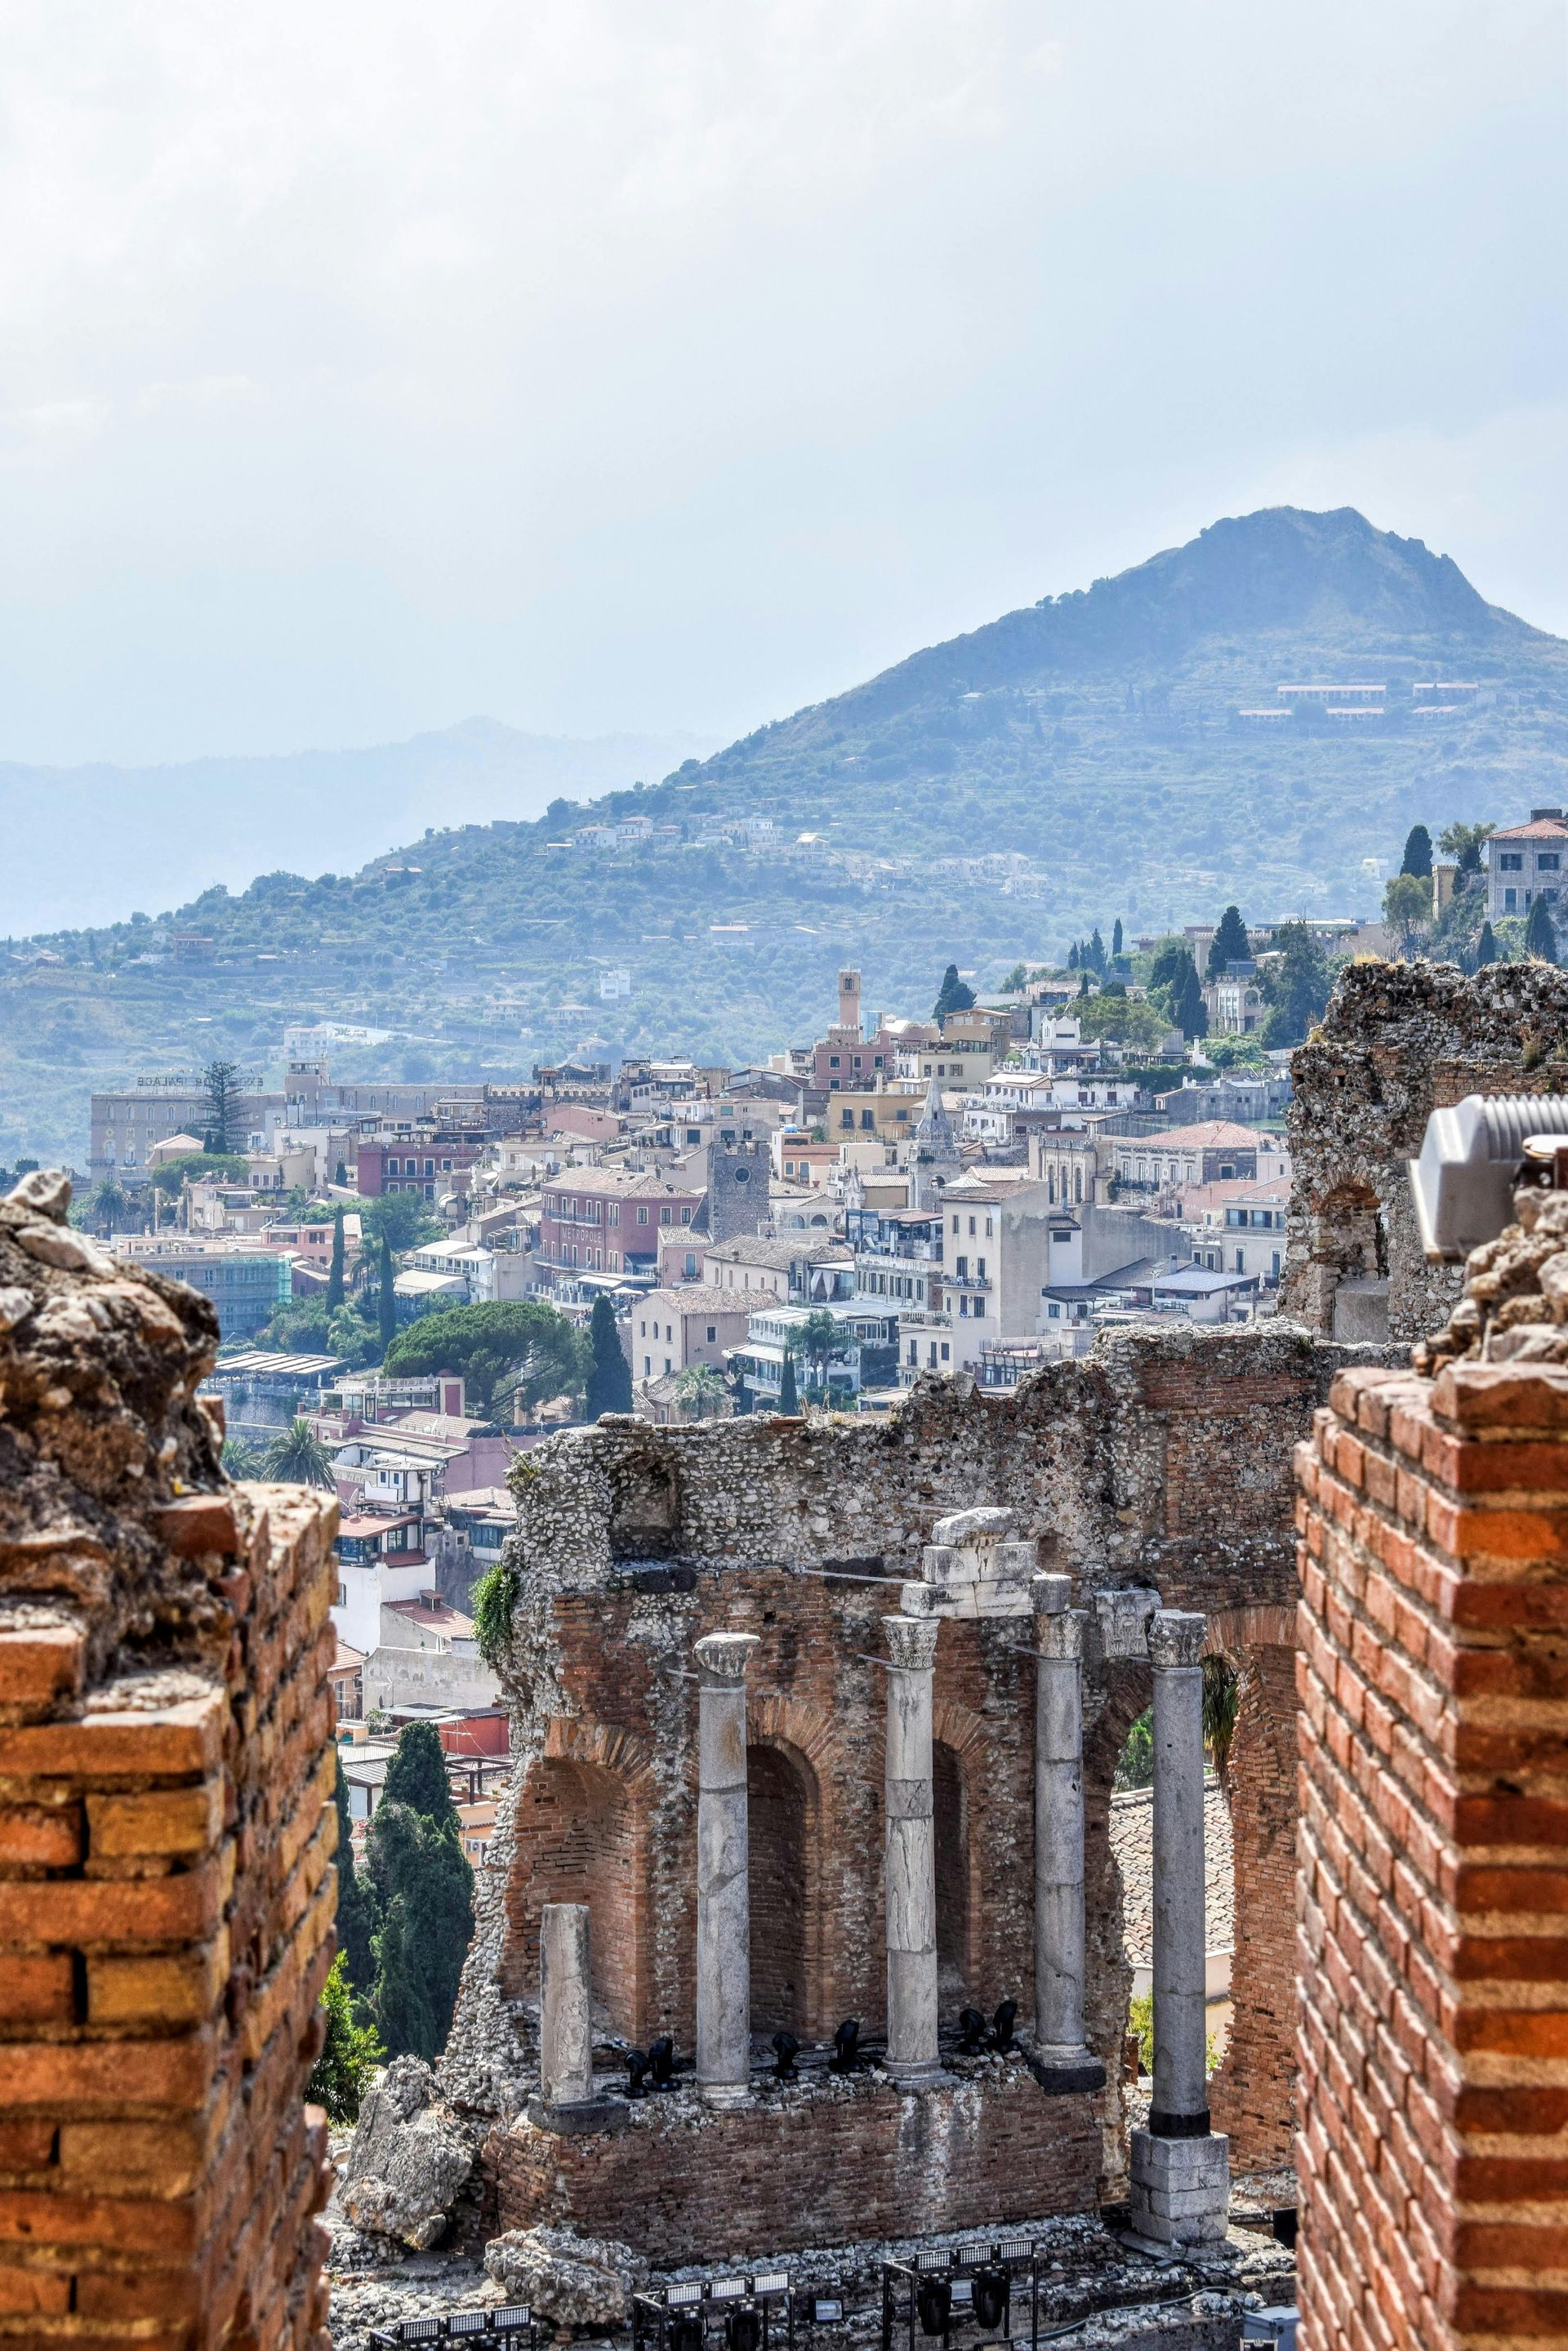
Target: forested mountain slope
1094, 744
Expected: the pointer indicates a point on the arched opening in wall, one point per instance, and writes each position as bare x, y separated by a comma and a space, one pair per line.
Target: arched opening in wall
782, 1803
578, 1840
1251, 1704
645, 1511
950, 1804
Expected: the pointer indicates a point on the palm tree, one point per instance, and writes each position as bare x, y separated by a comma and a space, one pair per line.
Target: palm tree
701, 1391
298, 1458
820, 1341
107, 1205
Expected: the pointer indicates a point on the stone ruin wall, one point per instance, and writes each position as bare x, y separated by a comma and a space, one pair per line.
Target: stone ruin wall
166, 1831
1398, 1041
1163, 1460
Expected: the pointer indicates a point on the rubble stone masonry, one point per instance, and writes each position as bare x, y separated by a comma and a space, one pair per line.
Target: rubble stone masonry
1433, 1887
166, 1831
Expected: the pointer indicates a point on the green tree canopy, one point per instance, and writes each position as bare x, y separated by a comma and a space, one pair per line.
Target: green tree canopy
298, 1458
953, 996
701, 1390
1486, 946
1169, 958
426, 1888
349, 2053
221, 1131
1126, 1020
1407, 906
1465, 844
1417, 859
401, 1219
171, 1176
610, 1374
386, 1301
1229, 943
1187, 1009
416, 1776
1095, 952
526, 1348
400, 2004
1540, 937
1295, 985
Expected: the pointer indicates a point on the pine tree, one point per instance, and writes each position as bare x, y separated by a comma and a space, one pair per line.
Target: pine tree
788, 1396
356, 1901
416, 1776
1229, 943
1540, 938
335, 1270
221, 1129
1116, 939
387, 1303
953, 996
1418, 853
610, 1376
1486, 946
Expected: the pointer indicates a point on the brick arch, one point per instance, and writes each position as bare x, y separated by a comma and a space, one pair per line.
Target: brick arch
1252, 2091
582, 1825
1234, 1630
961, 1755
784, 1820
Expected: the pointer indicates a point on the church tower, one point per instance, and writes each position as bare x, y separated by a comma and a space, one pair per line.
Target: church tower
936, 1160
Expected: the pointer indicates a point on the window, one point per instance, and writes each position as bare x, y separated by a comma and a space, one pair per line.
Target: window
666, 1366
1241, 1262
647, 1367
615, 1212
686, 1214
979, 1309
342, 1595
430, 1167
1510, 861
1510, 900
980, 1268
944, 1350
1054, 1312
955, 1224
1548, 861
392, 1167
663, 1216
832, 1060
712, 1332
868, 1118
642, 1215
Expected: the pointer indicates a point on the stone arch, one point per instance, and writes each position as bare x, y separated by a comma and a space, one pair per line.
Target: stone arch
1110, 1712
581, 1832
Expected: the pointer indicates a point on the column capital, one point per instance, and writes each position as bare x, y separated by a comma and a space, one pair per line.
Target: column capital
1176, 1636
1050, 1595
1061, 1636
723, 1657
911, 1641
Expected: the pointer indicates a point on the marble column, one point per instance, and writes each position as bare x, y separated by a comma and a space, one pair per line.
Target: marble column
1180, 2167
566, 2013
724, 1898
1059, 1923
911, 1868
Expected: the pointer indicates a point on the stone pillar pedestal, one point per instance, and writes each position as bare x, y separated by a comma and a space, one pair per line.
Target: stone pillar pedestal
1181, 2169
724, 1898
911, 1868
1064, 2060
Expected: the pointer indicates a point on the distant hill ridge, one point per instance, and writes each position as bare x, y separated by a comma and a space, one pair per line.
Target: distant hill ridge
1089, 746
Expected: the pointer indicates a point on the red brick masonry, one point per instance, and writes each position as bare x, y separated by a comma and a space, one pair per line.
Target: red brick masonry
166, 1908
1433, 1861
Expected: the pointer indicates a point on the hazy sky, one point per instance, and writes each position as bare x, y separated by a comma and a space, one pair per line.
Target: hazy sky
597, 364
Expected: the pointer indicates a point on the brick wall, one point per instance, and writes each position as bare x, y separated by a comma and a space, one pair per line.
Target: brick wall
1432, 1888
829, 2163
1252, 2093
166, 1831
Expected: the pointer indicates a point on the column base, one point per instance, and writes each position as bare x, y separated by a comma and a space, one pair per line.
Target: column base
1060, 2069
581, 2115
724, 2094
1181, 2188
931, 2075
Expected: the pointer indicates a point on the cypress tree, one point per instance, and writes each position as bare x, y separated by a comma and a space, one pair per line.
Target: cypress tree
356, 1901
788, 1398
609, 1376
1072, 956
1486, 946
416, 1776
1116, 937
388, 1300
1094, 953
342, 1176
1187, 1009
335, 1270
1418, 853
953, 996
1540, 938
401, 2009
1229, 943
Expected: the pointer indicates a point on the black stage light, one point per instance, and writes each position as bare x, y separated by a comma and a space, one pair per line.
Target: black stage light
1004, 2020
743, 2328
846, 2046
786, 2048
971, 2032
990, 2298
661, 2062
636, 2073
934, 2304
683, 2331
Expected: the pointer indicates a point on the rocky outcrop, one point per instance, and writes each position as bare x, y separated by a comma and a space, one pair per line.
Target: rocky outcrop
575, 2281
410, 2158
